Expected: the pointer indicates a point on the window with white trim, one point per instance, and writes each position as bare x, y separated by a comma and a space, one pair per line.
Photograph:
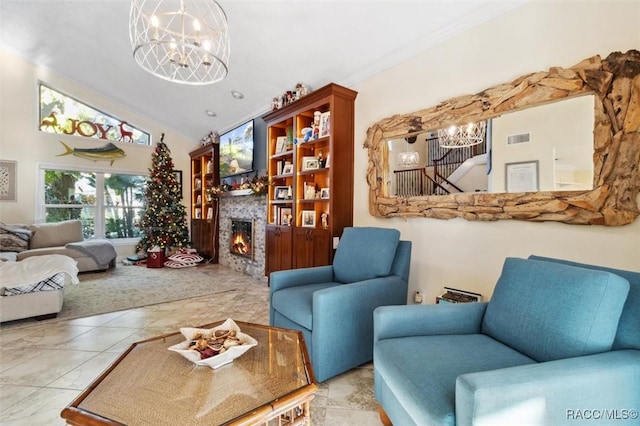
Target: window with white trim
108, 204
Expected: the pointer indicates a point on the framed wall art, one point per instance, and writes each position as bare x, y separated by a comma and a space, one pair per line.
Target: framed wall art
8, 175
521, 176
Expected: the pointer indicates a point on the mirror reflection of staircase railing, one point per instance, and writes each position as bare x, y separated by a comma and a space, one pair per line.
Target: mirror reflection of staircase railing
436, 177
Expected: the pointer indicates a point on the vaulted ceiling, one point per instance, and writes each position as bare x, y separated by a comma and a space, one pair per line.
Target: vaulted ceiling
274, 45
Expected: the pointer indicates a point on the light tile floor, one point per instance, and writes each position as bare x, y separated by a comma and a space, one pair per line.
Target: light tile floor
43, 367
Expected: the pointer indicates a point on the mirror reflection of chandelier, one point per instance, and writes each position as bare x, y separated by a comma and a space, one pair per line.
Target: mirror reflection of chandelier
461, 136
183, 41
409, 158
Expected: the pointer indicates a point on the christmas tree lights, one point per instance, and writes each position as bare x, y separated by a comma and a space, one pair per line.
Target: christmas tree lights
164, 220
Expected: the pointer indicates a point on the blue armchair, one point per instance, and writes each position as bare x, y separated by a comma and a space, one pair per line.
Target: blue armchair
559, 343
333, 305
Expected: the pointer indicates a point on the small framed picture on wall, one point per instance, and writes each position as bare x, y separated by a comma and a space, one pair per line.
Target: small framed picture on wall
8, 180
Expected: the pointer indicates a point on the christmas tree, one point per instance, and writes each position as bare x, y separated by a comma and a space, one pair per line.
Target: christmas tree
164, 220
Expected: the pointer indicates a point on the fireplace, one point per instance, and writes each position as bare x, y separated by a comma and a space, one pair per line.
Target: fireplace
241, 241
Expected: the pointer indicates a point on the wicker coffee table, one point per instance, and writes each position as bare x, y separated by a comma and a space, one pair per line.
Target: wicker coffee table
151, 385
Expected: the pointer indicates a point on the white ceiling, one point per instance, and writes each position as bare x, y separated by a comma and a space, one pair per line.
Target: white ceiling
274, 45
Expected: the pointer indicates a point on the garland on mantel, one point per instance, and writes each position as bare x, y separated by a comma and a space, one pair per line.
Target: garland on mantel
259, 185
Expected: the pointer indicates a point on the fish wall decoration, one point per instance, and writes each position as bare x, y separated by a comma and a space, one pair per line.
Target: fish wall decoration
108, 152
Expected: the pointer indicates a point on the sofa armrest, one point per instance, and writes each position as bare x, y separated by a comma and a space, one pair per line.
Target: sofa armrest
346, 322
420, 320
597, 387
295, 277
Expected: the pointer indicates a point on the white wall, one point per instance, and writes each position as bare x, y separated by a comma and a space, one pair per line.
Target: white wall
534, 37
21, 141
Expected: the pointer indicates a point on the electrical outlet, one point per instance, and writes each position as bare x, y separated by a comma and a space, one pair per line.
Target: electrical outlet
335, 242
417, 298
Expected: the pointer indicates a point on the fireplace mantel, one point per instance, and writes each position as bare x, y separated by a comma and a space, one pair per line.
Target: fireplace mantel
236, 193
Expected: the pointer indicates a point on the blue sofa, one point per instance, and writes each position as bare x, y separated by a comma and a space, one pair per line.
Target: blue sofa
333, 305
559, 343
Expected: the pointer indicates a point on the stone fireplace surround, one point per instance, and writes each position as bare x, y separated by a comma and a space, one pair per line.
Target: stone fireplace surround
249, 207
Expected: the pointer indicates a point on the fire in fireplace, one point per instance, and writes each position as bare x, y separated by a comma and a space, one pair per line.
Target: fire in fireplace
241, 242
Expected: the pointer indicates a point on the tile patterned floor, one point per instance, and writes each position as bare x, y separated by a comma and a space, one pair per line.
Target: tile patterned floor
43, 367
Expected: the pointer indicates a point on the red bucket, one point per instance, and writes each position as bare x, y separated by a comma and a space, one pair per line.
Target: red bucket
156, 259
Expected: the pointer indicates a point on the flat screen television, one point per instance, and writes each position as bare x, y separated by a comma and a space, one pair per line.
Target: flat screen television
236, 150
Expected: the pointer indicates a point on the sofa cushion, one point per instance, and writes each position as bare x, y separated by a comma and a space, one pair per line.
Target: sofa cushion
421, 371
552, 311
628, 335
296, 303
56, 234
365, 253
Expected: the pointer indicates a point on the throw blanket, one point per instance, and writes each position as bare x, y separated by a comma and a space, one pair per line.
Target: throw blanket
37, 268
55, 282
101, 250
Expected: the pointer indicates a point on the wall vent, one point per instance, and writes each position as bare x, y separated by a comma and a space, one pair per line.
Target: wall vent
516, 139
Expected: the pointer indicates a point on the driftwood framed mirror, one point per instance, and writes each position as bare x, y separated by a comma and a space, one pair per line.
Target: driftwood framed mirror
615, 85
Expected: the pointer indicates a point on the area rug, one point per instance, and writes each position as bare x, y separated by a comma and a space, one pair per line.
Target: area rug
126, 287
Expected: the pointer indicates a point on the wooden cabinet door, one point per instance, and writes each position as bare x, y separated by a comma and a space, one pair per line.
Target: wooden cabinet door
312, 247
202, 237
278, 249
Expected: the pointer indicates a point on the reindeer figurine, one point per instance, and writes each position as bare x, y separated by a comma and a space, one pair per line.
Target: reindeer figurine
125, 134
50, 121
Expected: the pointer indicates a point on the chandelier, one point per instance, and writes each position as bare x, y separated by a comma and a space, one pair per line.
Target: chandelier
461, 136
184, 41
409, 158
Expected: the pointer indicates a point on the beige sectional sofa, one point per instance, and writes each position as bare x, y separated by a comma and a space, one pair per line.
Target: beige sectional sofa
39, 253
59, 238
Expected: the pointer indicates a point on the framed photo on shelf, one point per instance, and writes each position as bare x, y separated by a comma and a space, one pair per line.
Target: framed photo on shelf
280, 192
324, 193
281, 144
310, 163
325, 120
309, 218
284, 216
287, 169
521, 176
